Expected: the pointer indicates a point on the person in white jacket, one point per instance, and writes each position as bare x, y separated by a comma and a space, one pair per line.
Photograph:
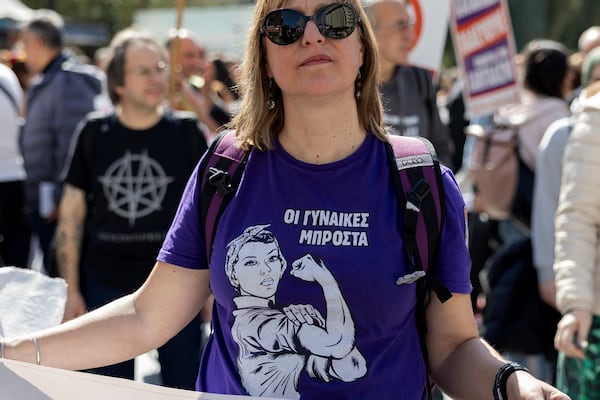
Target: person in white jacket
547, 184
577, 262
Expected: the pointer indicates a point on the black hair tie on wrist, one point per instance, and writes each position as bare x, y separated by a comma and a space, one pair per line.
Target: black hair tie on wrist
502, 375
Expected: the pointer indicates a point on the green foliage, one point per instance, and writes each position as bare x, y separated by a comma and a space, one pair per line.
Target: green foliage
559, 20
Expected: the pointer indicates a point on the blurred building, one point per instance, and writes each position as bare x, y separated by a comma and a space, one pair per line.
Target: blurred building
220, 29
13, 13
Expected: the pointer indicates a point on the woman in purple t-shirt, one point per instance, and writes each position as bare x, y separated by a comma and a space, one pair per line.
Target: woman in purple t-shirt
336, 325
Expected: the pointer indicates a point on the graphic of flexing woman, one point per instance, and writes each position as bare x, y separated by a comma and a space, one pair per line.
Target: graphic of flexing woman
277, 344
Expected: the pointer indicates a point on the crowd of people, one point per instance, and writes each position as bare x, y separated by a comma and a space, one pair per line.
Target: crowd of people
102, 165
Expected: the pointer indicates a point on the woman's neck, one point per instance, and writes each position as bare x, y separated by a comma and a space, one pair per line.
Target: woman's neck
320, 134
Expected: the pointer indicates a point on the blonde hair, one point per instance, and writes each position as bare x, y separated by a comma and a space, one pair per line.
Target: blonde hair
257, 126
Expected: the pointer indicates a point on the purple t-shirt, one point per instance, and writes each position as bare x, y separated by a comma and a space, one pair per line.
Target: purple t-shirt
304, 272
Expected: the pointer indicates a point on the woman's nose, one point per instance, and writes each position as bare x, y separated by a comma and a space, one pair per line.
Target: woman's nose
312, 34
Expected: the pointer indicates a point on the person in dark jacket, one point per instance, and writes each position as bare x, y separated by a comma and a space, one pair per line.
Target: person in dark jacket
61, 93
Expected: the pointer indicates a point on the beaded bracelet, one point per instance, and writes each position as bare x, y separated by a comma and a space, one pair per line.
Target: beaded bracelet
502, 375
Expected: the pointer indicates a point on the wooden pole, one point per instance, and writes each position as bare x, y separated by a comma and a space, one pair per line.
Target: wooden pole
174, 69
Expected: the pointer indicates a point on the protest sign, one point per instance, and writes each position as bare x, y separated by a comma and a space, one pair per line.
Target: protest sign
485, 51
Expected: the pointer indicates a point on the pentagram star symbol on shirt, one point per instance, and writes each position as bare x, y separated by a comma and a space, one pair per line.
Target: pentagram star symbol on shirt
135, 186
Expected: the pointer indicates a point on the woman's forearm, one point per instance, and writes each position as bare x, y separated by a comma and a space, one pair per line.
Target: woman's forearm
469, 372
124, 328
105, 336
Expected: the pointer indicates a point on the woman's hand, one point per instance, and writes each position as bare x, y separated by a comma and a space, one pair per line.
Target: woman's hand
522, 385
572, 333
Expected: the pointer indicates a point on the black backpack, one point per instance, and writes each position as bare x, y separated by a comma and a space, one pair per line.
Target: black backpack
516, 319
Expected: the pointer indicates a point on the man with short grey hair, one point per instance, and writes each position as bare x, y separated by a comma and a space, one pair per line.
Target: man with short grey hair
409, 99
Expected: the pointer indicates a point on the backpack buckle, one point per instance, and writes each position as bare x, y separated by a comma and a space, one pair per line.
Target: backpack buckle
220, 179
416, 195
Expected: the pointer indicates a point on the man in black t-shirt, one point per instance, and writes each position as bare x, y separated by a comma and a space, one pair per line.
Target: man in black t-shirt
123, 181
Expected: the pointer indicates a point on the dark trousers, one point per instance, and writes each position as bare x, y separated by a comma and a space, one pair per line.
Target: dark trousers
179, 358
482, 244
15, 231
44, 231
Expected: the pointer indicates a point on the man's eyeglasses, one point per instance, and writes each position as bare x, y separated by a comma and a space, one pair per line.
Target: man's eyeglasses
285, 26
146, 72
400, 26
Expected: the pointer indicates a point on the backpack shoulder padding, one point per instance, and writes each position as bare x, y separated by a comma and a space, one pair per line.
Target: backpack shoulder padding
419, 187
219, 176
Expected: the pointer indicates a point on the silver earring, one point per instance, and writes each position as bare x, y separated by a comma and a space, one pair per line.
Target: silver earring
270, 102
358, 85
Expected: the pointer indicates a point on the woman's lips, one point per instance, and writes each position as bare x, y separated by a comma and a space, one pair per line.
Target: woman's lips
319, 59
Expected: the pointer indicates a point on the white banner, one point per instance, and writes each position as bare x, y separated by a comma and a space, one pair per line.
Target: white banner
23, 381
431, 29
29, 301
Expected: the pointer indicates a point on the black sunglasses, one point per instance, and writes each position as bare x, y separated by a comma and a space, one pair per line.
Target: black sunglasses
285, 26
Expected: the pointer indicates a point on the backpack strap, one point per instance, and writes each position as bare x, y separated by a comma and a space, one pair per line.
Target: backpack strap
97, 124
194, 136
418, 184
219, 176
419, 189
